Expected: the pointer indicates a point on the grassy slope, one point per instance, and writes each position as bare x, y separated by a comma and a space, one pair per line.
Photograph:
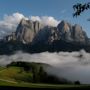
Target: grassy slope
7, 79
13, 73
49, 86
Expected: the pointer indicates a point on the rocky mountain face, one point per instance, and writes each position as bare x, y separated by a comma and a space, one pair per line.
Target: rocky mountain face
73, 33
47, 35
31, 36
31, 32
27, 30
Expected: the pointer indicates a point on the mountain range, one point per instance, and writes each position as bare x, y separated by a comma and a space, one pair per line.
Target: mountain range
34, 37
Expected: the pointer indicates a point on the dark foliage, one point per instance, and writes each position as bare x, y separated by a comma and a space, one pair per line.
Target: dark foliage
39, 74
77, 82
79, 8
9, 48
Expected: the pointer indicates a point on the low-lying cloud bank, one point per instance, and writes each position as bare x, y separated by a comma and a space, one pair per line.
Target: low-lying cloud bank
45, 20
9, 22
73, 66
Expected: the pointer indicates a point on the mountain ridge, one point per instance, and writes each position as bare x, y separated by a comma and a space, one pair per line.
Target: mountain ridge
64, 30
32, 37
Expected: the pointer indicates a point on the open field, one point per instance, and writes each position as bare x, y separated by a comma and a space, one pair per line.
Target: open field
11, 78
26, 86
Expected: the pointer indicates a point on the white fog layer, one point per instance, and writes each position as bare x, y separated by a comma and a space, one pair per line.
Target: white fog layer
70, 65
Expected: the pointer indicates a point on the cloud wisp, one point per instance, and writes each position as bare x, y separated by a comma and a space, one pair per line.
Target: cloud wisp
9, 23
46, 20
63, 11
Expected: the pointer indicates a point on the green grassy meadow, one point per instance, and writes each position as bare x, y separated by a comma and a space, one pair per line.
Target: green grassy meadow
47, 86
15, 77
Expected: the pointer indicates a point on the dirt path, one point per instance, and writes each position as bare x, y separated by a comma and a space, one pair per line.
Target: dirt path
8, 81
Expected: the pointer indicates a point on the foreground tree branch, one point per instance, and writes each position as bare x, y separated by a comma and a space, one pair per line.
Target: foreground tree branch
79, 8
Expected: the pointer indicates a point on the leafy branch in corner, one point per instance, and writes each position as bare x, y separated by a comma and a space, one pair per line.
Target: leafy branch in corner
79, 8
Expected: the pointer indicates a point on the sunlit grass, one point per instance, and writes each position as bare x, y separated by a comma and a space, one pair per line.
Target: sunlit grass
32, 85
10, 77
13, 73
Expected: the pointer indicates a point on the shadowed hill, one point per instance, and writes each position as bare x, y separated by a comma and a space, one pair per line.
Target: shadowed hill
29, 72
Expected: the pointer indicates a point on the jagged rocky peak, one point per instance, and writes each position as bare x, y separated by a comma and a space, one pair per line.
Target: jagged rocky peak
10, 37
47, 35
70, 32
78, 34
26, 30
65, 30
34, 25
64, 26
64, 37
29, 31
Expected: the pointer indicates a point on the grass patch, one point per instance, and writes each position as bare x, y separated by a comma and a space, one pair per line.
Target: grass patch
49, 86
14, 73
18, 77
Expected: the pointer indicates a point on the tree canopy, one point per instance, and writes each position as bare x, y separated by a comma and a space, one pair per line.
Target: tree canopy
79, 8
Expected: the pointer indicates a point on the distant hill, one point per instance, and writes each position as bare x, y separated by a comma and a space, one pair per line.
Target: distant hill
29, 72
